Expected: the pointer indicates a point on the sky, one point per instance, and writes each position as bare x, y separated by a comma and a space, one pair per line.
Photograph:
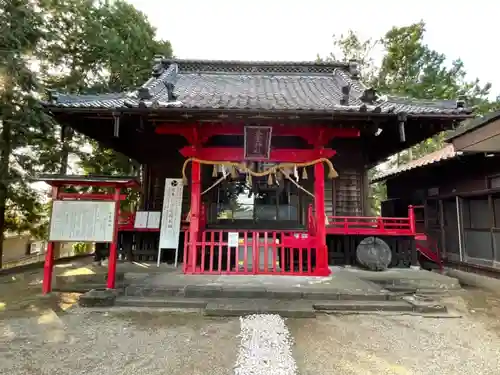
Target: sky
299, 30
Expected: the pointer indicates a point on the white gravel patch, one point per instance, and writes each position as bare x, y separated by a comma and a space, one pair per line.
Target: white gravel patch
266, 347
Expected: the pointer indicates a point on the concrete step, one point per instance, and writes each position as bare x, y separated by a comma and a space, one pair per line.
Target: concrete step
375, 306
423, 291
171, 302
283, 293
82, 288
237, 307
425, 304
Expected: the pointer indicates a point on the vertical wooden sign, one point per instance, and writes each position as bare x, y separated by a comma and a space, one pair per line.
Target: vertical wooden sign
258, 142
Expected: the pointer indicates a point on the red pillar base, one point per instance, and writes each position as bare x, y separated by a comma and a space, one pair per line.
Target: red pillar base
194, 220
48, 268
319, 196
323, 272
113, 247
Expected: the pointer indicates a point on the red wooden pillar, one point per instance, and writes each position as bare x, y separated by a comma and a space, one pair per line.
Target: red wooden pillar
319, 194
48, 266
113, 247
194, 223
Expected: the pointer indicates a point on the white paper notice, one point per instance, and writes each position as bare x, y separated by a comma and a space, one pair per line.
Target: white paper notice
141, 219
82, 221
154, 219
171, 214
232, 239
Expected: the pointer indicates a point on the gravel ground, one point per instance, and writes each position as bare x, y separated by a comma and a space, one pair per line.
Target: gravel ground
98, 343
387, 345
85, 342
44, 338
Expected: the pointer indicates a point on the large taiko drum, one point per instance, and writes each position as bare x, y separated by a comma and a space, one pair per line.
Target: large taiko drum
374, 254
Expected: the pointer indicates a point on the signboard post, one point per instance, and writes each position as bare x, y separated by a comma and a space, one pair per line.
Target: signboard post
85, 217
171, 217
82, 221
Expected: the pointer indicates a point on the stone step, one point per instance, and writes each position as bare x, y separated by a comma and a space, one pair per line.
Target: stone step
414, 290
171, 302
85, 287
374, 306
425, 304
237, 307
244, 291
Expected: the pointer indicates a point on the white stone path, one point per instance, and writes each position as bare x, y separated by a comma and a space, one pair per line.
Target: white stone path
265, 348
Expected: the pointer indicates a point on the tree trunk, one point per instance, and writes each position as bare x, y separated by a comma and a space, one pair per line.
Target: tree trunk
6, 148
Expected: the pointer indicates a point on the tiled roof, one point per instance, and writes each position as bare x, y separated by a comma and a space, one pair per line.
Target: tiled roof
447, 152
282, 86
472, 124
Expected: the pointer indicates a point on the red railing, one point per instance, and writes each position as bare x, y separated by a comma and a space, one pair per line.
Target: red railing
429, 248
256, 252
372, 225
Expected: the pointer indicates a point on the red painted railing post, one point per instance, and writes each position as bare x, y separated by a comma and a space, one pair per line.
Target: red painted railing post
319, 194
113, 247
48, 266
411, 218
194, 223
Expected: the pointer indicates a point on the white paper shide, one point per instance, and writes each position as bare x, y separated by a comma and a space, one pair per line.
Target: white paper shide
82, 221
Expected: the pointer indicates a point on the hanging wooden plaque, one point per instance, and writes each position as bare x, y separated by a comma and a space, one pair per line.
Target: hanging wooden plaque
258, 142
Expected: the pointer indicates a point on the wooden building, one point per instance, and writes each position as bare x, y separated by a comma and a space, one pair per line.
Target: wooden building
205, 113
459, 189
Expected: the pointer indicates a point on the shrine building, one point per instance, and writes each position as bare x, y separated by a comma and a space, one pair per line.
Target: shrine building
265, 163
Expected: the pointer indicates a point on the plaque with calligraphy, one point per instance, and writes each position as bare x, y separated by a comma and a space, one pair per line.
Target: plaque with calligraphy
258, 142
171, 214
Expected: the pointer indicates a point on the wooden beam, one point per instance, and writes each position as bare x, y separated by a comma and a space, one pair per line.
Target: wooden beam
314, 135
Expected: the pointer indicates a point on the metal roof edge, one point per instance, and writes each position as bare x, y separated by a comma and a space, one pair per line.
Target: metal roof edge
476, 123
434, 158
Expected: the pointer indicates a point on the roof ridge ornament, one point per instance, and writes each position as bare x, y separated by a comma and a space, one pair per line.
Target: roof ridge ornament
345, 94
170, 91
461, 101
158, 66
144, 93
369, 96
354, 70
52, 95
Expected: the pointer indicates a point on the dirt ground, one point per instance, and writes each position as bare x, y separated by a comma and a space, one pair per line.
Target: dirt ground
45, 337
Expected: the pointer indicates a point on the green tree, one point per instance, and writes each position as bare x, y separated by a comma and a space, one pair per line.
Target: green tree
77, 46
26, 135
410, 68
99, 47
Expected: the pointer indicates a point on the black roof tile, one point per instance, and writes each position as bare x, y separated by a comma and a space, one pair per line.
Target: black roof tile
241, 85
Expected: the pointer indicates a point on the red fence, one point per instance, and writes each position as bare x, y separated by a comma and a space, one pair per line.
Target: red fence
257, 252
381, 226
372, 226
